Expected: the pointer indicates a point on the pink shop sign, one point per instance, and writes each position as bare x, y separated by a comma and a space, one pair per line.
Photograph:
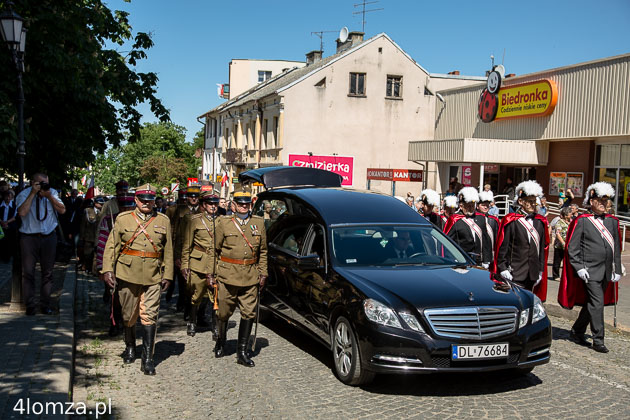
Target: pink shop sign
342, 165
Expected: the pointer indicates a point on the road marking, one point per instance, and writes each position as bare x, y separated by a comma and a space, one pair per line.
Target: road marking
590, 375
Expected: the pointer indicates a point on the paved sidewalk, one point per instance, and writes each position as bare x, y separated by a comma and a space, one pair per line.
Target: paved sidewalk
623, 305
36, 352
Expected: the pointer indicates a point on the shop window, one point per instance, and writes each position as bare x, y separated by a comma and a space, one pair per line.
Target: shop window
357, 84
625, 155
607, 155
393, 89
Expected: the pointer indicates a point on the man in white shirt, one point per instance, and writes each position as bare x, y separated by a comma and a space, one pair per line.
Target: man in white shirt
37, 205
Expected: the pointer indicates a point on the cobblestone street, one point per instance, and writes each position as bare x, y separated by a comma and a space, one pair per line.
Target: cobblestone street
293, 378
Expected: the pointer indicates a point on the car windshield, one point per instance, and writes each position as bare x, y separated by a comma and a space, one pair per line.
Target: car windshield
387, 246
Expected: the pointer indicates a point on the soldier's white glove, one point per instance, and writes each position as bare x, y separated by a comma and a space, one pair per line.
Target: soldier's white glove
583, 274
506, 275
485, 265
539, 279
615, 278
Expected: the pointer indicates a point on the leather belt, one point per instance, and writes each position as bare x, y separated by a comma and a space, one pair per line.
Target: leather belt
241, 262
202, 249
142, 254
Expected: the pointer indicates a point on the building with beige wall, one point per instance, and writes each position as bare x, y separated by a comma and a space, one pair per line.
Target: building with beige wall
363, 104
585, 138
246, 73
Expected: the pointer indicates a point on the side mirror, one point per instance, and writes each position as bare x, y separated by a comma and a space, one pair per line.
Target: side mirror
309, 262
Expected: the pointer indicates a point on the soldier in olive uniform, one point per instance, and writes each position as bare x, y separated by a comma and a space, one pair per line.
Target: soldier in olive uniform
179, 227
198, 245
241, 271
170, 213
139, 256
87, 233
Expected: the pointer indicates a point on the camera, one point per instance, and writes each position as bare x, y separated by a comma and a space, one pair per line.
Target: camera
45, 186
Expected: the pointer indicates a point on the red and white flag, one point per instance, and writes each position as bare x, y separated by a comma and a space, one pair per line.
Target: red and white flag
90, 191
84, 180
225, 179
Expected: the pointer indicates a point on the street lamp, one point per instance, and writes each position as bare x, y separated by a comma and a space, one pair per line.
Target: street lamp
14, 34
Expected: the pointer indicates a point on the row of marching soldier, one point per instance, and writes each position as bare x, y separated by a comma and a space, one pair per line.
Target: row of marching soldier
221, 260
515, 248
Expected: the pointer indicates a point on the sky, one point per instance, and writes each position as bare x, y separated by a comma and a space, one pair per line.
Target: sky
196, 39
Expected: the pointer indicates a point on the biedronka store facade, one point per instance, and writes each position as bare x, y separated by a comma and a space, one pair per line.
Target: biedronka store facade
564, 128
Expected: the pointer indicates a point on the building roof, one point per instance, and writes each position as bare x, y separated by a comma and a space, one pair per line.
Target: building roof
288, 78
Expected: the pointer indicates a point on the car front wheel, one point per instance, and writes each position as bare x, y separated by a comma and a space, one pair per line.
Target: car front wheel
348, 365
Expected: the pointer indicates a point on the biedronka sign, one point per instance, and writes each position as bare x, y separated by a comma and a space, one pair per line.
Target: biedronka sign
533, 99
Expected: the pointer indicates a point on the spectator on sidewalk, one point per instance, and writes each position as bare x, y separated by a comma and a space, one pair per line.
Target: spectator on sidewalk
71, 222
575, 211
560, 238
568, 198
543, 209
37, 206
8, 221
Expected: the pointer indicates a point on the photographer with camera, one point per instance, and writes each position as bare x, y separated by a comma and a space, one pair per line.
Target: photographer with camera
37, 205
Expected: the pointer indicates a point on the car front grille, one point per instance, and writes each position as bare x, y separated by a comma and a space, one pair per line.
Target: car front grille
472, 322
446, 362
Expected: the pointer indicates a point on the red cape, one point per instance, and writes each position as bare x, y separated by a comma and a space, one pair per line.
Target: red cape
451, 221
571, 291
541, 289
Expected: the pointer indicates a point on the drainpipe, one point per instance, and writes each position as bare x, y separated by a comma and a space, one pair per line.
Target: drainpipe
203, 157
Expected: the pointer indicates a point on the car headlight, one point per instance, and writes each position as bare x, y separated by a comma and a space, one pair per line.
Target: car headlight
539, 310
381, 314
524, 317
411, 321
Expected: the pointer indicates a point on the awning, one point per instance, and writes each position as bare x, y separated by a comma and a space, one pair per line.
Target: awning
470, 150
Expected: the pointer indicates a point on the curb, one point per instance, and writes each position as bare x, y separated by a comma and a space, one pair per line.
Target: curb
556, 310
63, 348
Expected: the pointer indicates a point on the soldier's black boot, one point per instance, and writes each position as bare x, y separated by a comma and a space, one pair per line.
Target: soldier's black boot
148, 343
202, 321
129, 356
192, 322
244, 330
213, 325
219, 347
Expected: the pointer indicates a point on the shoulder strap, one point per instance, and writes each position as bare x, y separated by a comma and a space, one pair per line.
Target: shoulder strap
140, 229
242, 234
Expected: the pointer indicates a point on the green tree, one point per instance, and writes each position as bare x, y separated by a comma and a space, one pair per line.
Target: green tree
81, 91
160, 156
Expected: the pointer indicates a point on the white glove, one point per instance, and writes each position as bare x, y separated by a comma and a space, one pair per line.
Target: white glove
485, 265
615, 278
583, 274
506, 275
539, 280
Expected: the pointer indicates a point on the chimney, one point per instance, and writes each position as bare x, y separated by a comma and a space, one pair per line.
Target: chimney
313, 57
354, 38
454, 73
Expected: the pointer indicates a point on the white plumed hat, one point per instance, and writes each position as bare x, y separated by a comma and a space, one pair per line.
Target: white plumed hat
468, 195
430, 197
450, 201
486, 196
528, 188
599, 190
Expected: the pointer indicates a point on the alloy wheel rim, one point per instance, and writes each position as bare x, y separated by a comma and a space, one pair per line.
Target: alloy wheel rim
343, 349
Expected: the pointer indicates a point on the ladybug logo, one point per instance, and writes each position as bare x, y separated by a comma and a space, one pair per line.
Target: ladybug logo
488, 106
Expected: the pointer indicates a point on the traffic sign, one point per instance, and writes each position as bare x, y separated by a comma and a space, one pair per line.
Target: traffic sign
164, 190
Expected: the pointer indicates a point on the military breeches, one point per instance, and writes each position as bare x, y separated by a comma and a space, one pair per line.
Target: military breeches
139, 300
229, 296
198, 288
